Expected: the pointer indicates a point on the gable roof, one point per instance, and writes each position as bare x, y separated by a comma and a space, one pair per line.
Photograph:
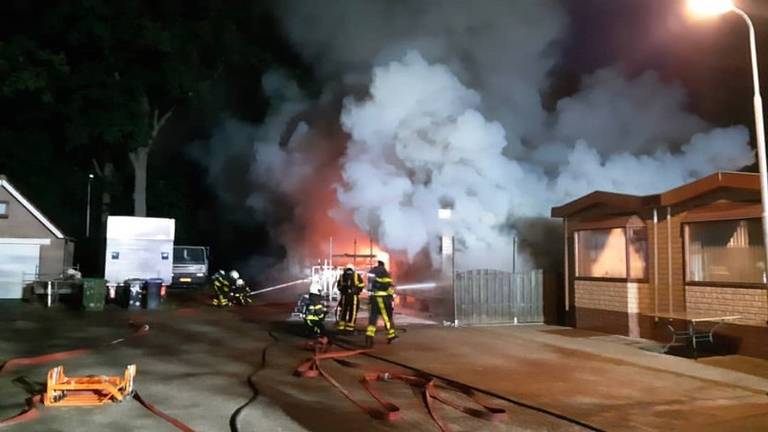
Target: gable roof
720, 179
611, 199
28, 205
632, 203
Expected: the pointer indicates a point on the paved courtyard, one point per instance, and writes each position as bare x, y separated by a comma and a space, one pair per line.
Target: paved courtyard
195, 361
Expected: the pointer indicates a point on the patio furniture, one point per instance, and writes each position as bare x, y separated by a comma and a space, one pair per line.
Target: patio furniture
704, 333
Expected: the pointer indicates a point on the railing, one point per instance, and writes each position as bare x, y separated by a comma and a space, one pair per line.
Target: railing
499, 297
48, 285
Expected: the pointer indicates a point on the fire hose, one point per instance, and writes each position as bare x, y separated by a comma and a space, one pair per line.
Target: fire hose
428, 386
418, 379
233, 427
32, 410
479, 390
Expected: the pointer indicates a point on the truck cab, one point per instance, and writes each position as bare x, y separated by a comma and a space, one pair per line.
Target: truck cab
190, 265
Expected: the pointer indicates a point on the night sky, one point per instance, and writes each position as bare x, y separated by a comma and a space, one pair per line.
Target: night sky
37, 153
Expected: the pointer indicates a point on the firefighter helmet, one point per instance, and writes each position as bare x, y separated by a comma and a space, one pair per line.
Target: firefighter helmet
349, 269
239, 283
234, 275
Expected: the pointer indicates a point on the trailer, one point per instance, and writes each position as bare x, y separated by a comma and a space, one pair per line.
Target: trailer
139, 248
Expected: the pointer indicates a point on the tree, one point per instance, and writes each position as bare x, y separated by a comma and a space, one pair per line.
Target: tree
135, 61
118, 89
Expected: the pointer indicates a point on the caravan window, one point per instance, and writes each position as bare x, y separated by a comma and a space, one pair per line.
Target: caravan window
3, 209
613, 253
725, 251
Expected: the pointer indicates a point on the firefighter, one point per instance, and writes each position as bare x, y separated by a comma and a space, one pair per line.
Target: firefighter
382, 299
315, 310
241, 293
221, 289
350, 285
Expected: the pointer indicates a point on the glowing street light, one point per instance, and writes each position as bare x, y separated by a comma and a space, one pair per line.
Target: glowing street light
711, 8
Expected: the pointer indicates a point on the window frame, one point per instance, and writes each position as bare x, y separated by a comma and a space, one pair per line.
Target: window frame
7, 207
714, 284
644, 279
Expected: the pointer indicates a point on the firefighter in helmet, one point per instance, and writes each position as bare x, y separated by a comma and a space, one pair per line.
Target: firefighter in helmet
221, 289
315, 310
382, 299
350, 285
241, 293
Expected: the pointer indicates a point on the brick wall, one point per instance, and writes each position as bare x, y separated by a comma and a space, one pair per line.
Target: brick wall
751, 304
666, 237
630, 297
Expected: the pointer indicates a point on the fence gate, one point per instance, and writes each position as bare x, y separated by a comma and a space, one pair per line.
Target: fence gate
498, 297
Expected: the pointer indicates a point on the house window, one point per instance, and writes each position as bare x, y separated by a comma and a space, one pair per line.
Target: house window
725, 251
614, 253
3, 209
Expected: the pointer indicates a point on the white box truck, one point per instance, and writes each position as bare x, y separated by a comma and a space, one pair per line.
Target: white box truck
139, 248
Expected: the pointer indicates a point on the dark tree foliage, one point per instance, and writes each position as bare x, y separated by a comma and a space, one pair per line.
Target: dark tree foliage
119, 89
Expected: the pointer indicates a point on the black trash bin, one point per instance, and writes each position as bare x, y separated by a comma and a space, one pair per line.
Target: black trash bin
154, 291
135, 292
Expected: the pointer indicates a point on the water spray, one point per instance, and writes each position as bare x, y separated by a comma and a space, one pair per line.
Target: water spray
417, 286
287, 284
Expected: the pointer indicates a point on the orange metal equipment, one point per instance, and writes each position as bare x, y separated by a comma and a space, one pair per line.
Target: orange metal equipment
89, 390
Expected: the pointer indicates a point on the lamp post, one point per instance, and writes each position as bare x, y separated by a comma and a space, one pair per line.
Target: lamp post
88, 208
448, 245
711, 8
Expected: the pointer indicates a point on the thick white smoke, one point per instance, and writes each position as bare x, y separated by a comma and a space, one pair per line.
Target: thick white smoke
637, 115
420, 141
453, 117
503, 48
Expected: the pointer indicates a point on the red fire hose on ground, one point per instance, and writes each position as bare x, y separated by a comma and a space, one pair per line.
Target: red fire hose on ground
32, 410
427, 385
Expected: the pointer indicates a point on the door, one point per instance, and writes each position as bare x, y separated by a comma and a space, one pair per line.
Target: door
17, 261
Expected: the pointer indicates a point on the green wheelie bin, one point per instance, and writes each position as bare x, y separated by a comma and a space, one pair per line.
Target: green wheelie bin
94, 294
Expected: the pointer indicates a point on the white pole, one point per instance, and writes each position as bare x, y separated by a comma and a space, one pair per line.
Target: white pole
514, 255
669, 259
760, 134
453, 282
88, 208
655, 264
565, 273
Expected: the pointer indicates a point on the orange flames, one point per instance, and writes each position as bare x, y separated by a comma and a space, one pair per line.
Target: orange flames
323, 221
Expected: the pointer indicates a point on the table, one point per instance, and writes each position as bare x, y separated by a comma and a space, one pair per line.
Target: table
691, 333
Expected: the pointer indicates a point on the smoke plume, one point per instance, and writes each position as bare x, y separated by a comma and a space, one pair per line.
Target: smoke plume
452, 117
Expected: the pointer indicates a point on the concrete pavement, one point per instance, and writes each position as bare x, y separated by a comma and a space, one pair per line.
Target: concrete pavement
610, 385
194, 363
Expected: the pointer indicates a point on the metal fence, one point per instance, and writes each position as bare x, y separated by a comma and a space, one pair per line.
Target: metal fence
499, 297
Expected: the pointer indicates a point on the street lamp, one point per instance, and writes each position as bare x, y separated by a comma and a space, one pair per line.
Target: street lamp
88, 208
711, 8
448, 249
